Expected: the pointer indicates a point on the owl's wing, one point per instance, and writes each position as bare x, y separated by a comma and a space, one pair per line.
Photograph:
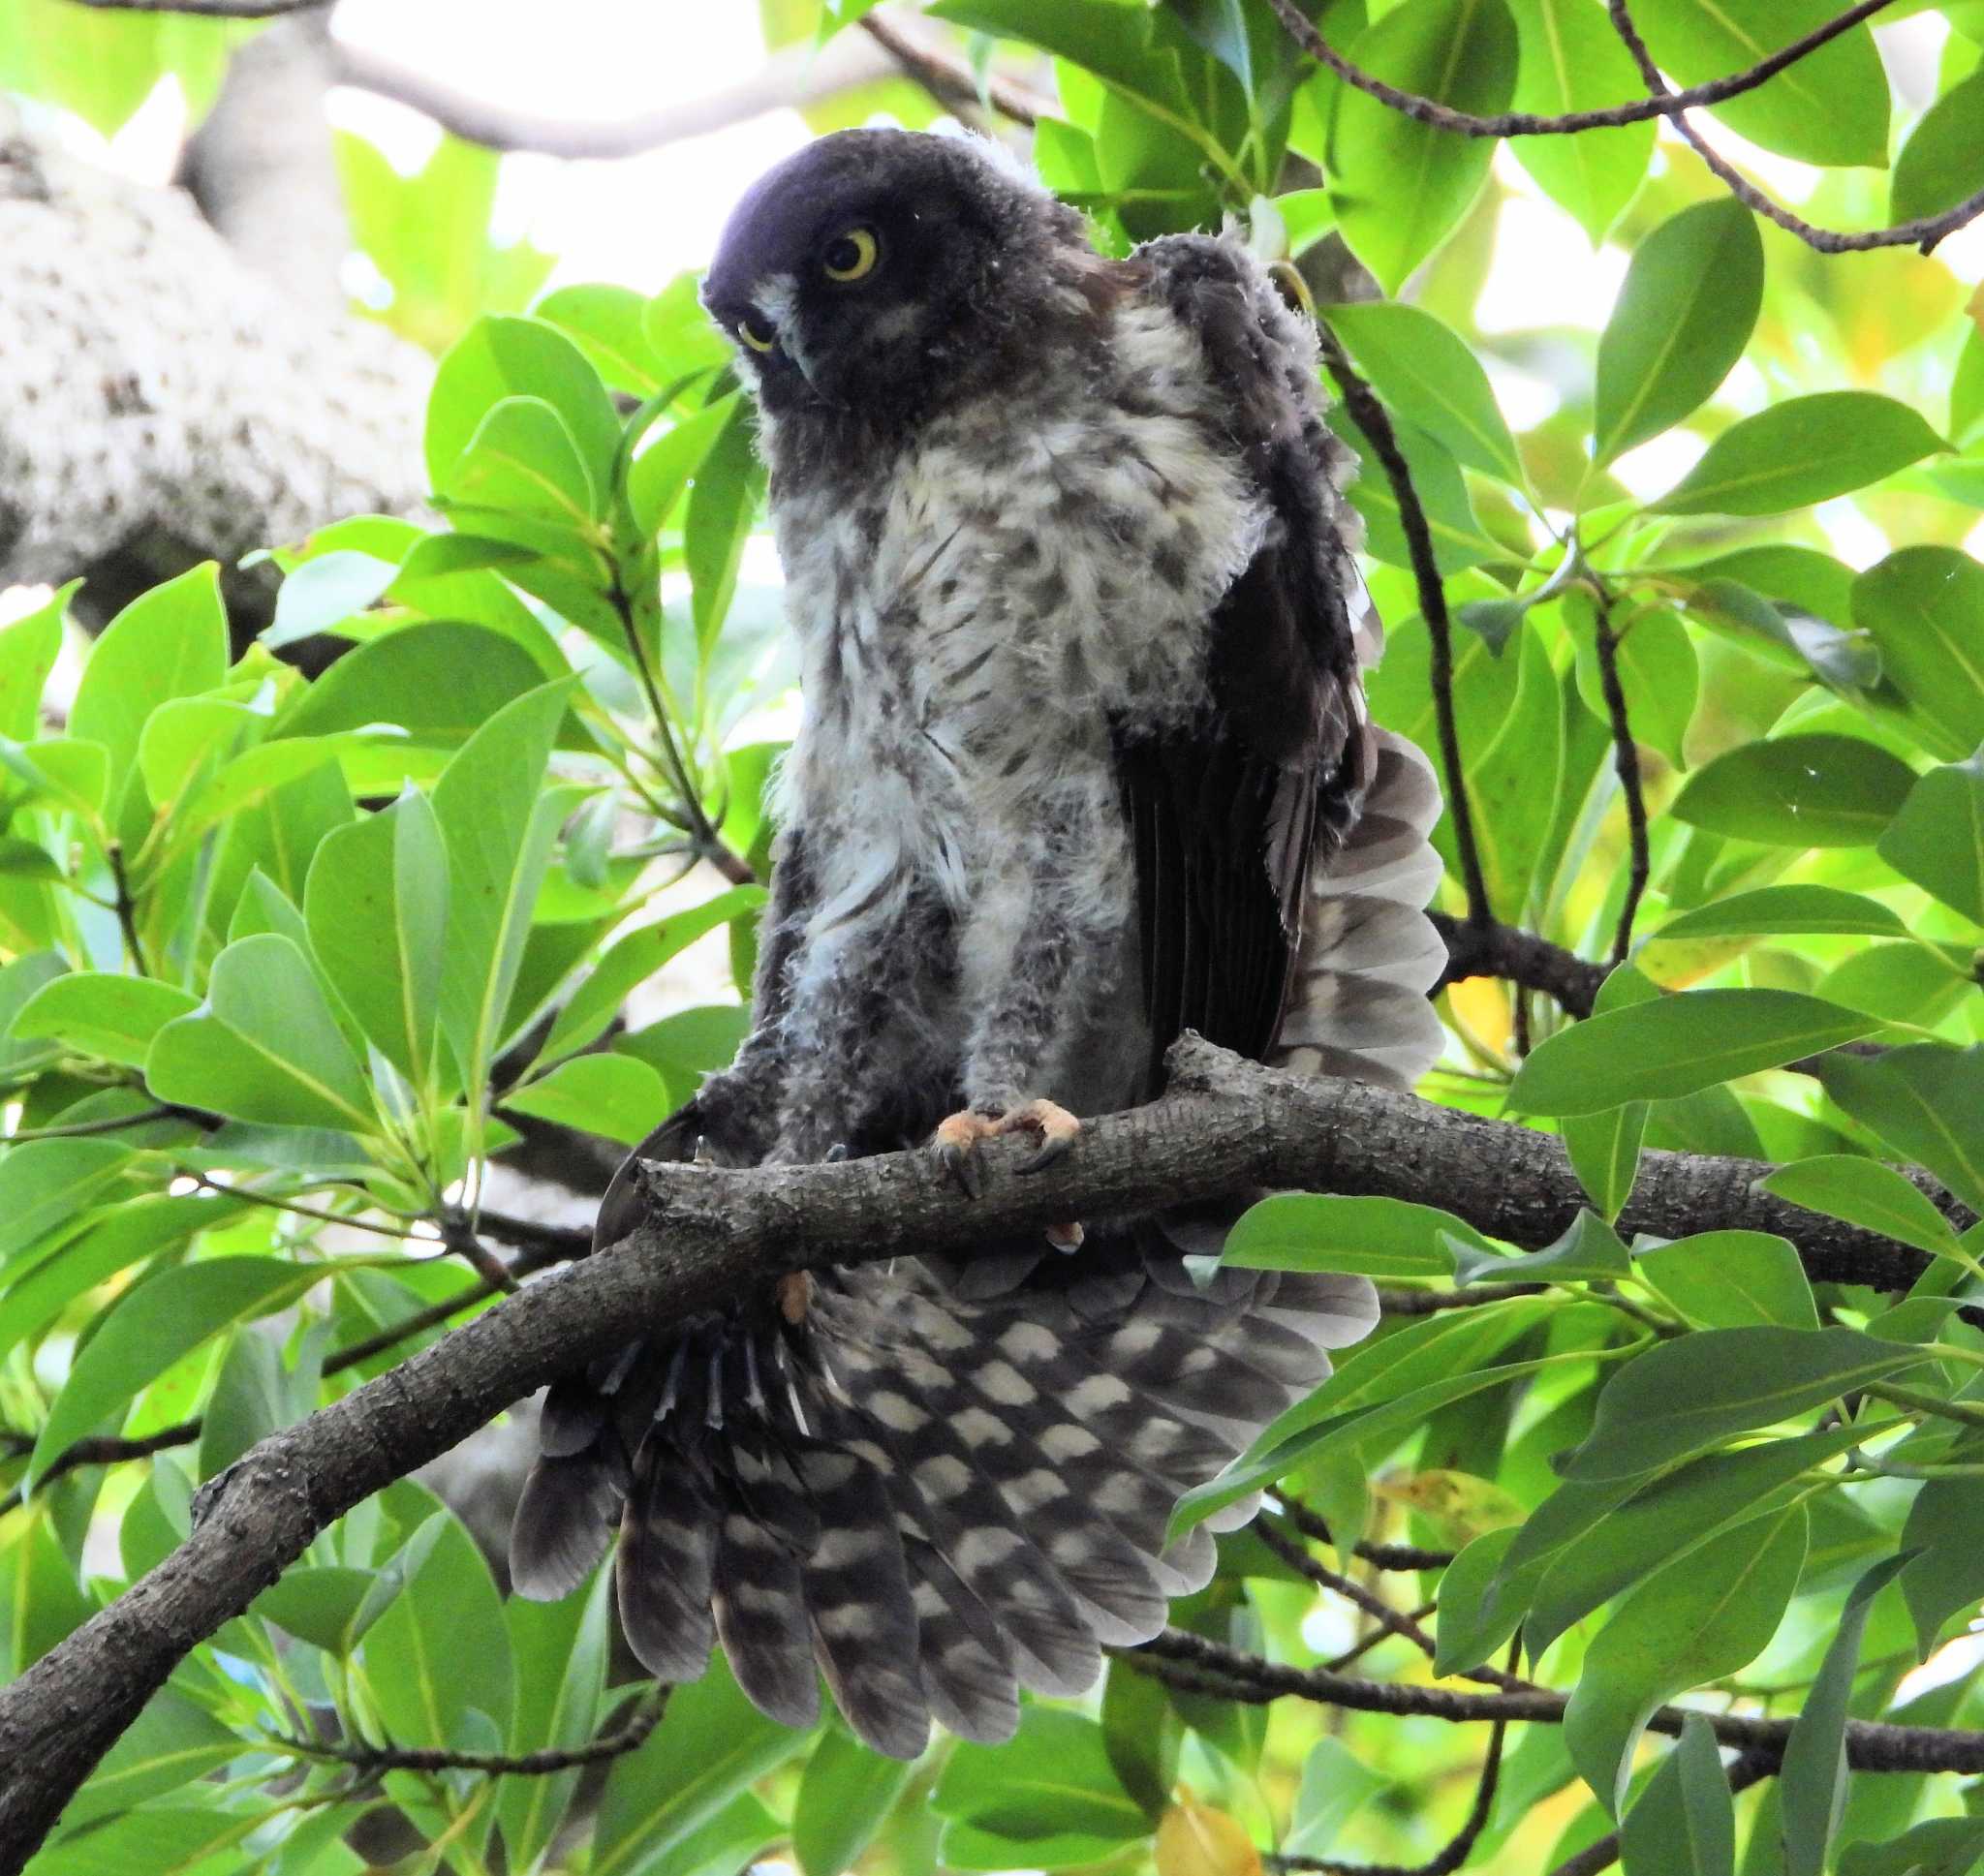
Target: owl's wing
1232, 814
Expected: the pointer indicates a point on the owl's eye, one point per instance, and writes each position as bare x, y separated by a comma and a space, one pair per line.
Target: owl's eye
851, 255
756, 333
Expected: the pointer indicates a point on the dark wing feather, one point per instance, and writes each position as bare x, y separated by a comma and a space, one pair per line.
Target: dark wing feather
1225, 813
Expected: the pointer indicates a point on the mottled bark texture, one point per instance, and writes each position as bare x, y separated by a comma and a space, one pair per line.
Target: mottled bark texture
1227, 1126
161, 402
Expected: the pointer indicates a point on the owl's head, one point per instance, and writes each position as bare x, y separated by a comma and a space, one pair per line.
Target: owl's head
879, 273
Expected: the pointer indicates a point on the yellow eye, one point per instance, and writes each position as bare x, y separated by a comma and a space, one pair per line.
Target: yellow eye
756, 335
850, 255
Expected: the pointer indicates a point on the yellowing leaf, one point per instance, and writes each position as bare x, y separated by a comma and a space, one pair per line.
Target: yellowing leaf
1196, 1841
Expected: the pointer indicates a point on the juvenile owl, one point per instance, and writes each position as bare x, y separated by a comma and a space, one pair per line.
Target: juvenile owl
1083, 763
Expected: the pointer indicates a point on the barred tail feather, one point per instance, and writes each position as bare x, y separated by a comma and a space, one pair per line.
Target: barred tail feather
1370, 954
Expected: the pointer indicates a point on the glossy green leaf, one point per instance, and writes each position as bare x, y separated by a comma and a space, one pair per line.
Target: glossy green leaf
1372, 1237
1943, 162
1687, 310
1944, 1846
1400, 187
40, 1600
1423, 371
607, 323
1053, 1780
439, 680
1830, 108
1685, 1395
1948, 1576
1921, 607
45, 1182
170, 642
1595, 1544
1677, 1045
1732, 1279
723, 503
1867, 1193
1470, 1628
1572, 60
845, 1793
317, 1603
1588, 1250
264, 1046
151, 1326
1812, 1793
377, 907
1459, 540
711, 1744
664, 468
560, 1653
1805, 451
325, 592
1927, 1102
523, 456
28, 649
104, 1014
1804, 790
1774, 909
1938, 837
171, 1743
441, 1651
616, 1096
498, 825
1702, 1616
1684, 1823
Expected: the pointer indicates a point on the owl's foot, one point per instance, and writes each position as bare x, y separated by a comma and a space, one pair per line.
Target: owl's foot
958, 1136
794, 1293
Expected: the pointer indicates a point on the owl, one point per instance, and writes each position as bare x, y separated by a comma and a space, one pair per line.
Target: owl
1083, 763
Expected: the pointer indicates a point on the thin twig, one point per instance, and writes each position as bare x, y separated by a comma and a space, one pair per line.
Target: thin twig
1337, 1662
1496, 950
372, 1758
1524, 123
1369, 417
84, 1129
1924, 231
950, 81
97, 1452
127, 909
1625, 758
1385, 1556
211, 9
1872, 1746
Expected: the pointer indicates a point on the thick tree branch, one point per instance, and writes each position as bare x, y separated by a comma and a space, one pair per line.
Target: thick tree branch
1225, 1126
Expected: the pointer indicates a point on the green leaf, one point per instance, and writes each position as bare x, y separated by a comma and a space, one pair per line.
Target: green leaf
1943, 162
1921, 607
1803, 452
1369, 1237
150, 1327
40, 1601
1938, 839
524, 457
1111, 41
1423, 371
438, 679
846, 1793
498, 825
1142, 1730
710, 1745
317, 1603
1594, 1544
171, 1743
1336, 1785
1588, 1250
1867, 1193
1818, 790
561, 1654
616, 1096
1677, 1045
325, 592
1948, 1576
721, 505
1700, 1617
607, 322
517, 357
1945, 1846
664, 468
1470, 1630
1684, 1823
1399, 187
1572, 60
1685, 1395
170, 642
441, 1650
1830, 108
1731, 1280
43, 1183
1927, 1102
633, 959
103, 1013
28, 649
1459, 540
1772, 909
264, 1046
1051, 1784
1967, 389
376, 908
1814, 1790
1687, 311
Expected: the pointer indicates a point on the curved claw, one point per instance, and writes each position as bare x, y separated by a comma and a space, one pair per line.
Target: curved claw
955, 1144
1057, 1129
